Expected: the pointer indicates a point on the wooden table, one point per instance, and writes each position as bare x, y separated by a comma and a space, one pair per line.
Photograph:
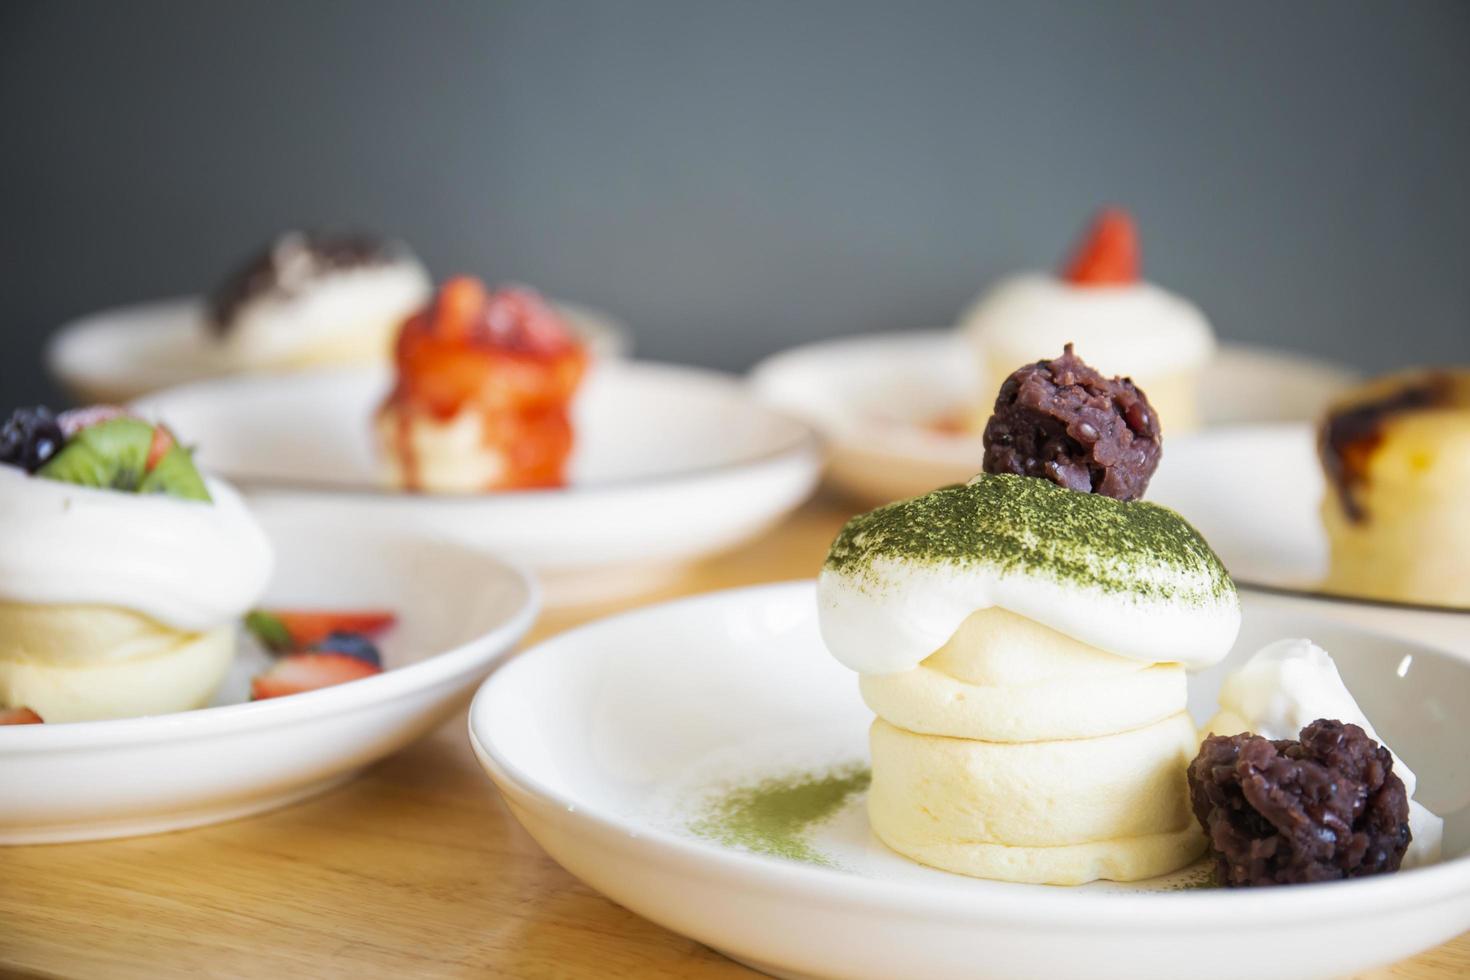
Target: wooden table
416, 869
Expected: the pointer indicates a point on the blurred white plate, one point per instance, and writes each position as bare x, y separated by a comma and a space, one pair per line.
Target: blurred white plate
876, 399
671, 464
610, 741
120, 354
1254, 492
459, 612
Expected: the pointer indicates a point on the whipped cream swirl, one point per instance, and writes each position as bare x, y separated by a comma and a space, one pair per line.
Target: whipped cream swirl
191, 565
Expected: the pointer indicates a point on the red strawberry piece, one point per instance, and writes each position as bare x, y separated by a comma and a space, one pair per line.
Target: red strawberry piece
1109, 255
300, 672
308, 628
77, 419
163, 441
19, 716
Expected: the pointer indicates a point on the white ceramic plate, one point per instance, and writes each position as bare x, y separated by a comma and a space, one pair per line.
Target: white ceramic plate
671, 464
120, 354
1254, 492
611, 742
459, 613
876, 397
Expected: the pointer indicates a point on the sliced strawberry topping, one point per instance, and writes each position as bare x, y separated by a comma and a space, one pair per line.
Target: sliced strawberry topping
163, 441
1109, 255
77, 419
301, 672
19, 716
282, 629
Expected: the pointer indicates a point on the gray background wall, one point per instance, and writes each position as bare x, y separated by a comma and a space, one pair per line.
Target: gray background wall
736, 177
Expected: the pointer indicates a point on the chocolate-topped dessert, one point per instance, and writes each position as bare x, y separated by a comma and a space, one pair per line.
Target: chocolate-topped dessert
1064, 422
1322, 807
315, 300
291, 262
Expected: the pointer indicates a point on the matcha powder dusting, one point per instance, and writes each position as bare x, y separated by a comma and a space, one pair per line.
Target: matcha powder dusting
775, 816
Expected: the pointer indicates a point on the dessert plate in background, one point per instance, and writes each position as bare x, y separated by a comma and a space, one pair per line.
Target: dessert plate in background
670, 464
120, 354
1254, 492
720, 795
877, 398
459, 612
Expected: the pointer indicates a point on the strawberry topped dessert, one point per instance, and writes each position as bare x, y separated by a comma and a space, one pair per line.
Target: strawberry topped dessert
483, 393
1100, 303
124, 569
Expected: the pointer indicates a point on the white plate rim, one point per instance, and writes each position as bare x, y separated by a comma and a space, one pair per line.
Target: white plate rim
805, 441
337, 699
1021, 905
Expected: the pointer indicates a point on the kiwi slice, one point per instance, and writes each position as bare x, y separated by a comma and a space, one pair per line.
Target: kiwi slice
113, 455
175, 475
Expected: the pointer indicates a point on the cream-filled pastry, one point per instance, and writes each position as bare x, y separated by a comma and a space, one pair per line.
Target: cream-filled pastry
1396, 453
1024, 648
1023, 640
123, 572
1290, 684
315, 300
482, 398
1120, 323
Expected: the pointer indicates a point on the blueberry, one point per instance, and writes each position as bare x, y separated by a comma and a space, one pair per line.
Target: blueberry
352, 645
30, 437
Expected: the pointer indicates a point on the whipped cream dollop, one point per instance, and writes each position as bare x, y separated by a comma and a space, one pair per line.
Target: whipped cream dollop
192, 565
1127, 329
1131, 579
1288, 685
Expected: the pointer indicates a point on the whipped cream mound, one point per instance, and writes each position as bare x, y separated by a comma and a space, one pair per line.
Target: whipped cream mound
192, 565
1133, 329
1288, 685
1131, 579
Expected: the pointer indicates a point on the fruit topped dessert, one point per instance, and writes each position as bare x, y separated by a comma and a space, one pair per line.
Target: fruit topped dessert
483, 394
1396, 453
123, 571
1294, 785
1100, 301
1023, 640
310, 300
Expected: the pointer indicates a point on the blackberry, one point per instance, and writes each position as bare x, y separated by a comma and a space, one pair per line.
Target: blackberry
29, 438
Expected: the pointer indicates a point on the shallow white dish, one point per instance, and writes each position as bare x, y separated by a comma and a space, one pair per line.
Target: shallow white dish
607, 741
876, 398
671, 463
1254, 492
119, 354
459, 612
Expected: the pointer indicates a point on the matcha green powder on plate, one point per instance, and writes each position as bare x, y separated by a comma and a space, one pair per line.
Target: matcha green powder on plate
777, 815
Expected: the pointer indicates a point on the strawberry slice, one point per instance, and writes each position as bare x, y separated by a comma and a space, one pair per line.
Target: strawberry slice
19, 716
301, 672
163, 441
284, 630
75, 420
1109, 255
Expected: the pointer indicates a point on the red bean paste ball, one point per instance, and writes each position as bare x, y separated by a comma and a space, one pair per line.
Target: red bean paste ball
1323, 807
1064, 422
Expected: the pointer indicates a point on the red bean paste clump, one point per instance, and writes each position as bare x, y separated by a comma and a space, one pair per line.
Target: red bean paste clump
1325, 807
1064, 422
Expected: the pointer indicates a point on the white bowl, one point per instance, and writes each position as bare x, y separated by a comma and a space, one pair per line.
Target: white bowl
607, 740
120, 354
1254, 492
671, 464
460, 612
876, 397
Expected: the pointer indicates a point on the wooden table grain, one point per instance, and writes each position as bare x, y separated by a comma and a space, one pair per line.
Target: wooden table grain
414, 869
